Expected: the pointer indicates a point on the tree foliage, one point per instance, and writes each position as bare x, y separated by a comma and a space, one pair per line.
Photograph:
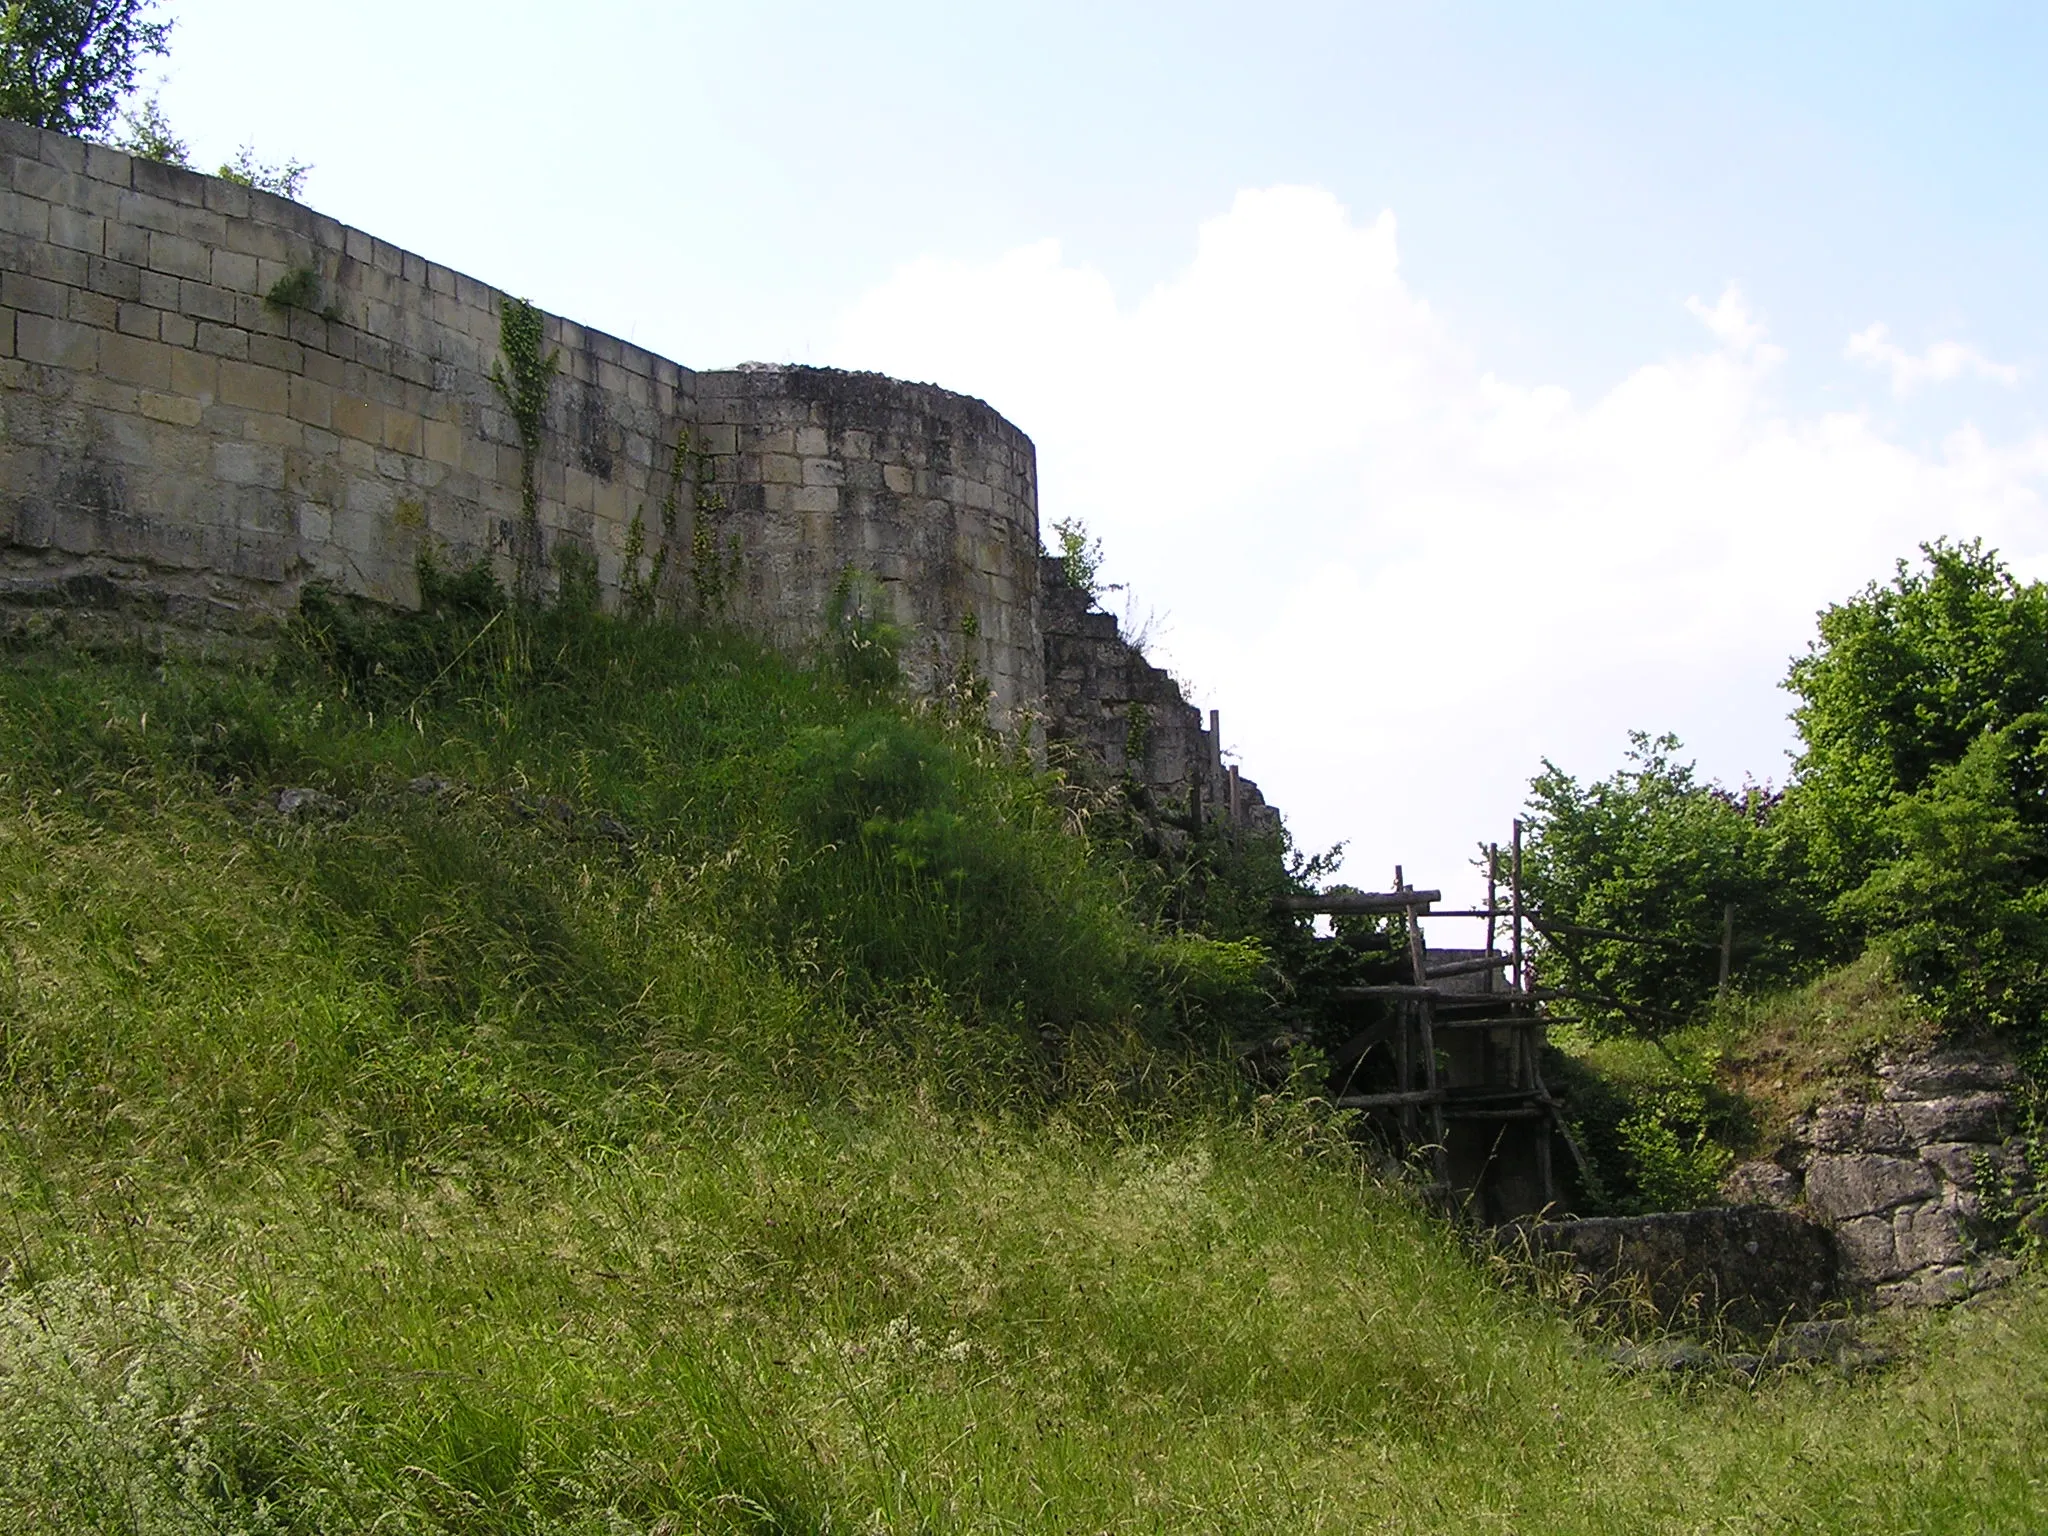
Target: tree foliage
1899, 683
68, 64
1654, 852
1916, 821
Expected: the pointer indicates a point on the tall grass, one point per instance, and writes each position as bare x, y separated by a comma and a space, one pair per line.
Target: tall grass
663, 1090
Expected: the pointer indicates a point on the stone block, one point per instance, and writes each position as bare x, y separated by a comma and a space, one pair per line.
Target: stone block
57, 264
138, 320
441, 441
94, 309
311, 401
195, 376
277, 352
1930, 1288
178, 410
159, 290
203, 301
236, 270
225, 341
780, 469
357, 418
1839, 1186
6, 334
1941, 1074
116, 279
1977, 1116
1757, 1183
814, 499
32, 295
59, 343
255, 388
177, 330
899, 479
401, 431
1927, 1234
80, 231
179, 256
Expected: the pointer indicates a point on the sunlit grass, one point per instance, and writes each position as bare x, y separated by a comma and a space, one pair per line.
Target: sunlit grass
452, 1164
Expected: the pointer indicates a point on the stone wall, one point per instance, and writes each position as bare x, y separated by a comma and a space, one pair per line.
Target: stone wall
180, 448
1750, 1267
1898, 1177
1106, 702
932, 494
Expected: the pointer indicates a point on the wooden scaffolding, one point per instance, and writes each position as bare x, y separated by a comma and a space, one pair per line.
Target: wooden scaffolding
1456, 1050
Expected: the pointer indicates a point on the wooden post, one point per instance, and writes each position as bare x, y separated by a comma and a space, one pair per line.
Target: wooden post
1236, 799
1492, 894
1515, 898
1727, 946
1216, 740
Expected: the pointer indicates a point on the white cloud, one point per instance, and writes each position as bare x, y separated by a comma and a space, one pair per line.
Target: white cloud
1941, 363
1403, 579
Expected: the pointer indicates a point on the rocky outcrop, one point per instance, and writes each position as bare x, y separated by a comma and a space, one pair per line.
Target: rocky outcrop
1900, 1179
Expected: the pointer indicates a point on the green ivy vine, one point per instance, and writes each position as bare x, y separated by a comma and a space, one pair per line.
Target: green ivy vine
524, 377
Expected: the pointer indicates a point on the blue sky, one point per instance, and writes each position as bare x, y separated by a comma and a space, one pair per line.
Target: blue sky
1545, 331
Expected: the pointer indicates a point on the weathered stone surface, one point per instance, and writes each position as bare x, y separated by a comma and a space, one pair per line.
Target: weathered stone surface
1953, 1070
1857, 1183
207, 453
1899, 1179
1868, 1246
1750, 1266
1963, 1117
1857, 1127
1928, 1288
1928, 1235
1761, 1183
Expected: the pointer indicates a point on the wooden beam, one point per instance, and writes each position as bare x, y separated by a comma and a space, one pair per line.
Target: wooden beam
1471, 967
1356, 902
1389, 1100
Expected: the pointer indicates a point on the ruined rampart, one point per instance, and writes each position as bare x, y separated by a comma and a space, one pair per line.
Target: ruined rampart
211, 396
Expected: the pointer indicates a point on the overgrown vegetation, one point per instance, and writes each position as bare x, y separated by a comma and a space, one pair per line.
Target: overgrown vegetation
1904, 864
636, 1084
524, 377
1915, 823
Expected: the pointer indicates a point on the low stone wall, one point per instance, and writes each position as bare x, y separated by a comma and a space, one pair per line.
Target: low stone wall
1898, 1178
1750, 1267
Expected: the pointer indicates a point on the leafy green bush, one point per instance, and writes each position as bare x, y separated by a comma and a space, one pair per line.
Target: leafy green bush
1901, 679
1654, 853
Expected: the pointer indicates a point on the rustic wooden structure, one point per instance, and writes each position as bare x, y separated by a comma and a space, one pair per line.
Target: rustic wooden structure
1449, 1064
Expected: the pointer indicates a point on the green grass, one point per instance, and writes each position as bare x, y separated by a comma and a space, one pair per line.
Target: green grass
726, 1103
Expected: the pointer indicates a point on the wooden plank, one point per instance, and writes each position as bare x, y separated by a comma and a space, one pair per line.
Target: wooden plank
1388, 1100
1470, 967
1357, 903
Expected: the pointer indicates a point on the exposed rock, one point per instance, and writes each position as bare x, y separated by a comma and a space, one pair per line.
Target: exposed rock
1965, 1117
1899, 1180
1927, 1288
1855, 1127
308, 802
1852, 1184
1952, 1069
1761, 1183
1868, 1249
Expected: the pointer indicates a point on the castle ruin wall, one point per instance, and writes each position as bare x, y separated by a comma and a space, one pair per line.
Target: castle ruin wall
211, 397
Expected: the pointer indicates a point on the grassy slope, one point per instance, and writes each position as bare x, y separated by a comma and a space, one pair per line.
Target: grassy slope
446, 1166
